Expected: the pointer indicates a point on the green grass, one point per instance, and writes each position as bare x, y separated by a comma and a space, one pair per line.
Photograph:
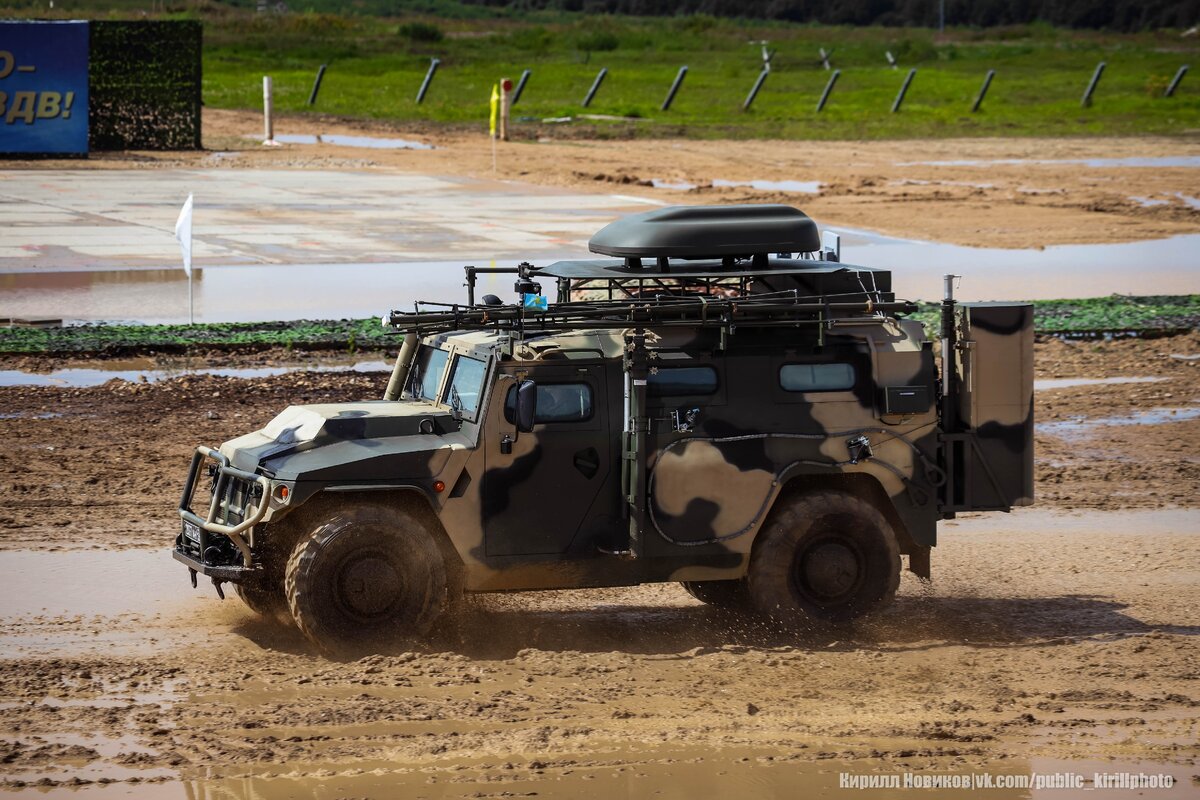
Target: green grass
1098, 316
374, 72
376, 66
1089, 317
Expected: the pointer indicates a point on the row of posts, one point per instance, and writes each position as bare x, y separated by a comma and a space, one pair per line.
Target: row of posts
754, 90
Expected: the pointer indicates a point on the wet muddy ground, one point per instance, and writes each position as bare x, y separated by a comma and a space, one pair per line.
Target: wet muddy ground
1062, 637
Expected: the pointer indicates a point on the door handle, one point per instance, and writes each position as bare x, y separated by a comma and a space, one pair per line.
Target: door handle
587, 461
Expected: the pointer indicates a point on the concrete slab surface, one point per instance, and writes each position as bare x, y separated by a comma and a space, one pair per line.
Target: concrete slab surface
107, 219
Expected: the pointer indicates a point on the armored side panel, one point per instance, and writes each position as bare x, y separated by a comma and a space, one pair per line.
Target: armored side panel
995, 370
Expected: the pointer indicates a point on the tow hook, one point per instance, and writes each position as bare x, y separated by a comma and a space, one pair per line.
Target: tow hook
192, 574
217, 585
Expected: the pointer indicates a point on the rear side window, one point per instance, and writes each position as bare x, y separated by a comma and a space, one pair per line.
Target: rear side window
682, 381
556, 402
816, 377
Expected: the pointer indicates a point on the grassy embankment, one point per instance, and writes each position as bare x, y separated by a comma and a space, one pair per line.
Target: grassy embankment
1091, 317
376, 66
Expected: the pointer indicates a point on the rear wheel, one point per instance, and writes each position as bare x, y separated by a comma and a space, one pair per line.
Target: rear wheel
721, 594
367, 576
828, 556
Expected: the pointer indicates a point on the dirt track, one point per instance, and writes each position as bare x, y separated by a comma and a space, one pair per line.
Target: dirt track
1060, 637
878, 186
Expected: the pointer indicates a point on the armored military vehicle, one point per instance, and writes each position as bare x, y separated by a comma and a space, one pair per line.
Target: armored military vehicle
721, 402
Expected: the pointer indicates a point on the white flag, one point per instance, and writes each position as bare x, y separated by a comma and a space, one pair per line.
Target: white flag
183, 232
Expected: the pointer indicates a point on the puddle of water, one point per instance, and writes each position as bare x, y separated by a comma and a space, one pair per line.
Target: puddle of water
1148, 202
1188, 200
662, 773
243, 293
90, 702
683, 186
350, 141
1085, 426
798, 187
918, 182
30, 415
95, 377
92, 583
1043, 384
1072, 270
256, 292
1136, 161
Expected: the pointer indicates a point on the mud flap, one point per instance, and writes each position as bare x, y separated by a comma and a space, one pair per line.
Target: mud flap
919, 563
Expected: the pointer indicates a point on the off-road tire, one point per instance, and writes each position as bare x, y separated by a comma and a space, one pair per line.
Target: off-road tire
265, 594
732, 595
823, 557
266, 600
368, 577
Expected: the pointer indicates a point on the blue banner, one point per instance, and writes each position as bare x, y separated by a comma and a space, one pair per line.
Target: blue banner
43, 87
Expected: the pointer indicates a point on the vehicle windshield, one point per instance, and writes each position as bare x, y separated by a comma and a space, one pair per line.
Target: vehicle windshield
465, 385
426, 373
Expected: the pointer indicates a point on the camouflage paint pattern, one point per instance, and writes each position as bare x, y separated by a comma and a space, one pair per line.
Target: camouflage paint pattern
527, 510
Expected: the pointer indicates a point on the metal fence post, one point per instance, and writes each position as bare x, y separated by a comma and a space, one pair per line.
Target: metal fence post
521, 86
268, 124
987, 81
825, 58
312, 97
1175, 81
1091, 87
762, 76
595, 86
674, 88
433, 65
908, 79
828, 88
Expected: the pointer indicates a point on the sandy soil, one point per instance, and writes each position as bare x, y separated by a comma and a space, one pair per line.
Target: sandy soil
1060, 637
868, 185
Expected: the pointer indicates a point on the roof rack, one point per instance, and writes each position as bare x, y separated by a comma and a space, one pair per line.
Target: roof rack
781, 309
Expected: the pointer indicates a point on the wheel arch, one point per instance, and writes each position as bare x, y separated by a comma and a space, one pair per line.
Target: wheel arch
860, 484
412, 499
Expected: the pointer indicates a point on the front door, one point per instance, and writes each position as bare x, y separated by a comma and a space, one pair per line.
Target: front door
538, 496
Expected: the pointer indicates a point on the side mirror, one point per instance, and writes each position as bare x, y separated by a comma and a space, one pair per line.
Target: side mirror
526, 406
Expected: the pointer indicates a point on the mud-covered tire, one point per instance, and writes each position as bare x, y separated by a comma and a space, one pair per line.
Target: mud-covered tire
265, 594
367, 577
268, 601
824, 557
720, 594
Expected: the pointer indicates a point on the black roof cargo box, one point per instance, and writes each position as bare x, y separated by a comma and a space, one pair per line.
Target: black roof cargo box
693, 232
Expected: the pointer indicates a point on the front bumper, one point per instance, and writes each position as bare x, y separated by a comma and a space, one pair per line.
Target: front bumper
239, 501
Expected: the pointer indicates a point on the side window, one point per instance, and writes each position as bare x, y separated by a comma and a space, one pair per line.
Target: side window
682, 381
427, 373
556, 402
465, 384
816, 377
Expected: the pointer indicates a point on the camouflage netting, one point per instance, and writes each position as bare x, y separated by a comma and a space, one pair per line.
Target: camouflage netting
144, 85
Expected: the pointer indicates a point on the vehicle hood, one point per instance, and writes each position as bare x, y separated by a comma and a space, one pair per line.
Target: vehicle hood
302, 428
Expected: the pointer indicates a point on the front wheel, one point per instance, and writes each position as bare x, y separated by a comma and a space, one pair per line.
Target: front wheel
368, 576
827, 556
266, 600
720, 594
